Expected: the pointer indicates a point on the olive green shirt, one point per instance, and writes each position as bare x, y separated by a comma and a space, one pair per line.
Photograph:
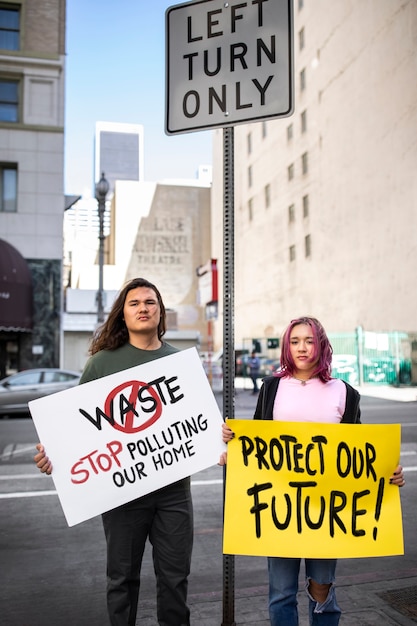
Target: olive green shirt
108, 362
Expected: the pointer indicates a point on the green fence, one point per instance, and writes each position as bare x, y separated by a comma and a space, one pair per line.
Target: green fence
358, 357
371, 357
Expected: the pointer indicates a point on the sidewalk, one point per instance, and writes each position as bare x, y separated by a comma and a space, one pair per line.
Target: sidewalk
388, 392
402, 393
382, 603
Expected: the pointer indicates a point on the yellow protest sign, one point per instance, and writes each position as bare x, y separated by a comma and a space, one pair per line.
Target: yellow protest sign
312, 490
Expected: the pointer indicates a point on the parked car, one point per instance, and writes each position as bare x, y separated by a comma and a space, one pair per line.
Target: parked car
241, 367
214, 372
241, 357
19, 389
266, 368
269, 366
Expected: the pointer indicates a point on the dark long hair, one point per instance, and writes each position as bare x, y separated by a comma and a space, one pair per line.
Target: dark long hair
322, 349
113, 333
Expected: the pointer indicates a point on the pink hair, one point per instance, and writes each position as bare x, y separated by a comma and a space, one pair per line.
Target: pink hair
322, 349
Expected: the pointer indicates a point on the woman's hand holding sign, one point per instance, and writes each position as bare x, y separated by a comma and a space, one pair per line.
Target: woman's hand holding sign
398, 477
227, 435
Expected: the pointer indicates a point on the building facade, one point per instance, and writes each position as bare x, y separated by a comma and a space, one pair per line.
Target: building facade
118, 152
160, 231
32, 202
325, 200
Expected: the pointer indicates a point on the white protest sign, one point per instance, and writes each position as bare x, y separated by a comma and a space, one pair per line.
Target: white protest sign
125, 435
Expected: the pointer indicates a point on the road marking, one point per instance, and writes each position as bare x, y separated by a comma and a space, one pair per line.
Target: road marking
20, 476
51, 492
217, 481
13, 450
27, 494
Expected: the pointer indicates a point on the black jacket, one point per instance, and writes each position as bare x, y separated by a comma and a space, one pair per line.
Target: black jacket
265, 405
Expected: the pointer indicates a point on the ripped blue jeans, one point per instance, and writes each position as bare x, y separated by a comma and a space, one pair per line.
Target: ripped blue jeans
283, 589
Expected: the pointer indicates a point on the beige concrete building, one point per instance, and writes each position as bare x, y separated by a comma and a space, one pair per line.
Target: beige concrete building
160, 231
326, 200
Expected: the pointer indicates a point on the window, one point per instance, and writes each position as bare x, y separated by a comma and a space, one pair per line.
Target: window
56, 376
9, 100
9, 28
290, 171
304, 163
303, 121
250, 176
26, 378
267, 196
302, 79
291, 213
307, 245
8, 188
305, 206
249, 142
289, 132
292, 253
250, 209
301, 39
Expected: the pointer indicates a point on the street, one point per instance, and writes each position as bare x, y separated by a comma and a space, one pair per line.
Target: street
53, 575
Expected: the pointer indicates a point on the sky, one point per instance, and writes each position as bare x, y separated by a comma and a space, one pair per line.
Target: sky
115, 72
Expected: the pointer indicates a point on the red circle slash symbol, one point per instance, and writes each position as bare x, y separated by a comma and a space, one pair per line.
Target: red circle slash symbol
130, 417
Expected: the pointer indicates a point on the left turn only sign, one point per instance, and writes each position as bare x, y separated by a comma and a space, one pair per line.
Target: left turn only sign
228, 63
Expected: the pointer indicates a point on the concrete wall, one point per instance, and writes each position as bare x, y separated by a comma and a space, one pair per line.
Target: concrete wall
359, 103
160, 232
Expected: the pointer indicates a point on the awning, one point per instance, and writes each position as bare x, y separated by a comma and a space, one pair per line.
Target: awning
16, 298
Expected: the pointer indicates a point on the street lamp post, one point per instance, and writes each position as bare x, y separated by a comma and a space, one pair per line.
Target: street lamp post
102, 188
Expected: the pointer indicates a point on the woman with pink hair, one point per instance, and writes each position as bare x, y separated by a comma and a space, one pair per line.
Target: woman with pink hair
303, 390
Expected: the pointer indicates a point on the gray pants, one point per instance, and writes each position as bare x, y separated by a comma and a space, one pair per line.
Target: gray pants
166, 518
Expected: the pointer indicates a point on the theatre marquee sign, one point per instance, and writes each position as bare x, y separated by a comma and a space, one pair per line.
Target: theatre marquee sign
227, 63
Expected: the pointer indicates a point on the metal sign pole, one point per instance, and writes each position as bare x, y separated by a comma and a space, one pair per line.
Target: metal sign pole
228, 344
267, 91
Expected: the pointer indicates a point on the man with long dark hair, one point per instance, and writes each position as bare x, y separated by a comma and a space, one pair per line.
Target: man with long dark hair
133, 335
